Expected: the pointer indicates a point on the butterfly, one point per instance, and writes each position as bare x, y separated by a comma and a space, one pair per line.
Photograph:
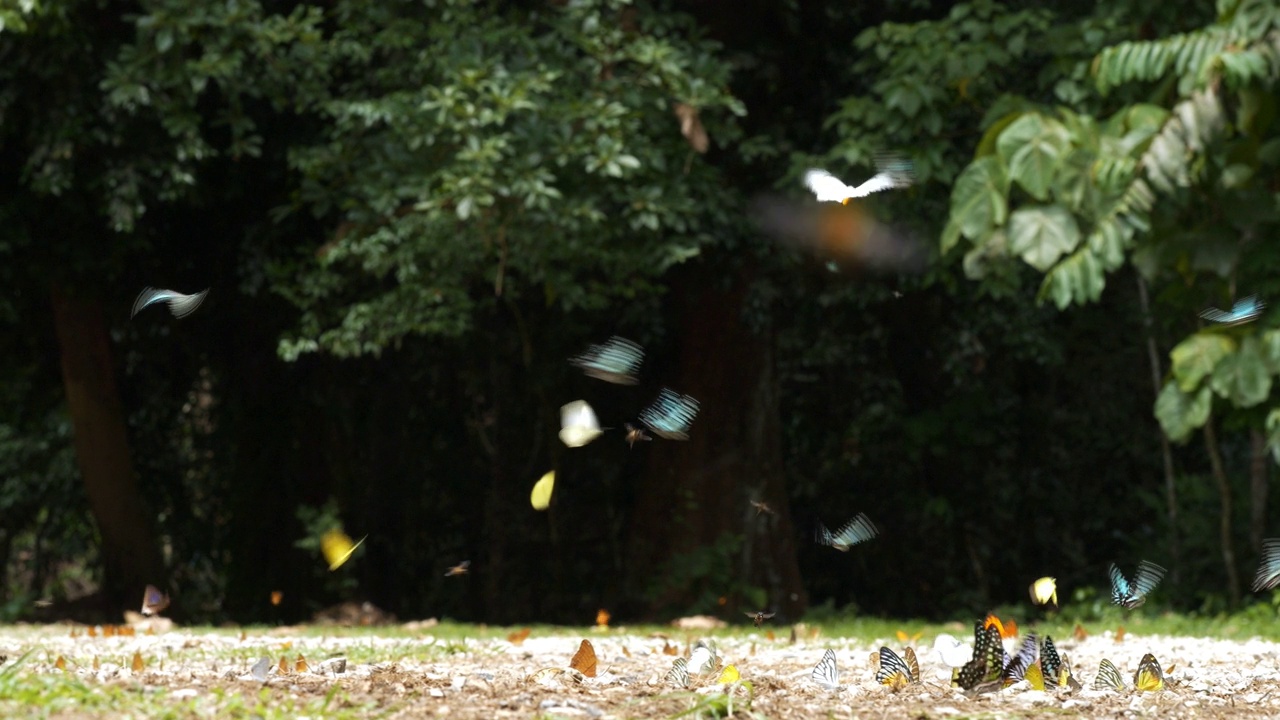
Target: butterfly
898, 672
730, 675
951, 651
261, 668
760, 617
1243, 311
670, 415
825, 673
578, 424
153, 601
703, 657
584, 661
459, 569
337, 548
616, 361
857, 530
180, 305
762, 507
1050, 661
678, 675
1149, 676
987, 662
540, 496
1269, 569
1015, 668
1034, 677
1131, 595
1045, 591
892, 172
691, 127
1108, 677
636, 434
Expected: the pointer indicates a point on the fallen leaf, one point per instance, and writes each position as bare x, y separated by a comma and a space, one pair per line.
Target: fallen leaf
95, 662
283, 666
93, 631
138, 664
584, 661
768, 635
60, 663
518, 637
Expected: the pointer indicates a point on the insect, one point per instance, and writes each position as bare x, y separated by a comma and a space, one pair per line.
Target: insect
950, 651
825, 673
459, 569
616, 361
671, 415
636, 434
1015, 668
857, 530
578, 424
1045, 591
1034, 677
1269, 569
893, 171
759, 617
153, 601
337, 548
540, 496
1131, 595
584, 661
1108, 677
761, 507
987, 662
261, 668
1149, 676
897, 672
703, 658
180, 305
1243, 311
678, 675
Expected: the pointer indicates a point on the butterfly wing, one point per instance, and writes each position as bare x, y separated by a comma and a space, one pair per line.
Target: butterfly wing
1034, 677
1149, 677
1017, 666
1148, 577
1269, 569
617, 361
1246, 309
822, 535
261, 668
678, 675
1120, 587
584, 661
993, 661
578, 424
153, 601
857, 530
827, 187
180, 305
894, 671
1050, 661
671, 415
1108, 677
337, 548
825, 673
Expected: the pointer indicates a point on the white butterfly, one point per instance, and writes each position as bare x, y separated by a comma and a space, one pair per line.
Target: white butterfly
893, 172
261, 668
678, 675
703, 658
825, 673
578, 424
180, 305
951, 651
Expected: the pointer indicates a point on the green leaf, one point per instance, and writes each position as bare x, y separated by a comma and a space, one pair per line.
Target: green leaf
978, 202
1195, 358
1273, 433
1032, 148
1243, 377
1042, 234
1181, 414
1077, 279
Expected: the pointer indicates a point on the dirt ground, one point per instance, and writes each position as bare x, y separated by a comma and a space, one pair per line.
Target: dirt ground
416, 675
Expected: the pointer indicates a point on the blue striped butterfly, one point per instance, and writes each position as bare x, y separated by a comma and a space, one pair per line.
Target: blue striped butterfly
1132, 594
671, 415
898, 672
678, 675
1149, 676
1015, 668
1051, 662
987, 662
180, 305
825, 673
857, 530
153, 601
1269, 569
1108, 677
1243, 311
616, 361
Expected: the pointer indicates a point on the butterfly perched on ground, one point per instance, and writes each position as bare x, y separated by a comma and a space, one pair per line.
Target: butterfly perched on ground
825, 673
1045, 591
584, 661
1015, 668
950, 651
857, 530
1132, 594
1149, 676
1108, 677
459, 569
180, 305
678, 675
703, 658
578, 424
153, 601
671, 415
1050, 661
1269, 569
898, 672
261, 668
616, 361
1243, 311
337, 547
987, 662
893, 171
1034, 676
759, 617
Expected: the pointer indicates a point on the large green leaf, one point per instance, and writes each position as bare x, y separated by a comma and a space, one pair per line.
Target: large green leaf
1179, 413
1041, 234
1195, 358
1031, 148
1077, 279
1243, 377
978, 201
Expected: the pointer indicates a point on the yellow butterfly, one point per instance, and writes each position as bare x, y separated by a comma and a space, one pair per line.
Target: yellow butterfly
730, 675
540, 498
1149, 677
1034, 676
904, 638
1045, 591
337, 547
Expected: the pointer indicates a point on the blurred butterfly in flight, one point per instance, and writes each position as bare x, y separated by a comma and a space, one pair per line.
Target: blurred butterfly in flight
1132, 594
1149, 676
1269, 569
1243, 311
1045, 591
153, 601
761, 507
893, 171
825, 673
857, 530
896, 672
1108, 677
670, 416
337, 547
759, 617
578, 424
459, 569
616, 361
180, 305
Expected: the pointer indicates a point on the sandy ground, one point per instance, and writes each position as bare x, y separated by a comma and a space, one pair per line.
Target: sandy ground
425, 676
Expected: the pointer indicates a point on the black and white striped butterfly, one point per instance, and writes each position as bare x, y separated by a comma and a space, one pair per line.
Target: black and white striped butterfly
897, 672
180, 305
616, 361
1015, 668
1269, 569
1132, 594
678, 675
857, 530
671, 415
825, 673
1108, 677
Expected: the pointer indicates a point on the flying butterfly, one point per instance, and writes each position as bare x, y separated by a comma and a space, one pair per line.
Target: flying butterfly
896, 672
616, 361
578, 424
857, 530
1108, 677
636, 434
671, 415
459, 569
1244, 310
540, 495
1132, 594
1149, 677
337, 547
759, 617
825, 673
153, 601
180, 305
1269, 569
893, 171
1045, 591
678, 675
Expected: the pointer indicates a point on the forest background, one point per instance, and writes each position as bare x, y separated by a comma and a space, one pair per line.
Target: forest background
412, 213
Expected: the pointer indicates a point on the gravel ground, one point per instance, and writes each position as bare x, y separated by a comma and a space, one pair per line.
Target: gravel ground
424, 676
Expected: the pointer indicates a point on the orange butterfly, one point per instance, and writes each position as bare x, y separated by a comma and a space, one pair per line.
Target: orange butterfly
1007, 629
584, 661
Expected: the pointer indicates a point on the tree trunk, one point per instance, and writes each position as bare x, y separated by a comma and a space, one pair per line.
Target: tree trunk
1224, 525
1166, 452
698, 492
130, 555
1258, 465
